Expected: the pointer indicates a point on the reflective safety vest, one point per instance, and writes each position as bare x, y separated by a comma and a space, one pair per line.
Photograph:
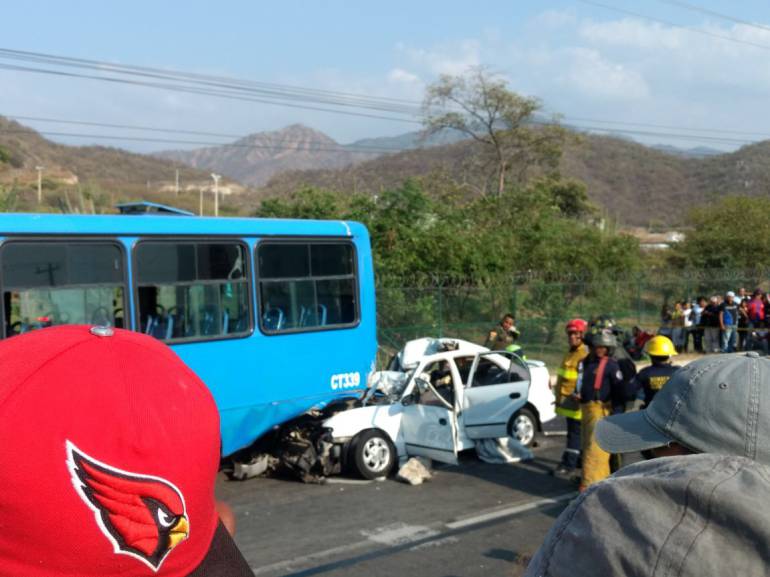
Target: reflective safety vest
567, 376
517, 350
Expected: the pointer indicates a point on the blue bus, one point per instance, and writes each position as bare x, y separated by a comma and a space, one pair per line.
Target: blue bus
275, 316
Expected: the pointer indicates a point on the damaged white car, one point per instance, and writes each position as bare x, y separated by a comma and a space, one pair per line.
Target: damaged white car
442, 396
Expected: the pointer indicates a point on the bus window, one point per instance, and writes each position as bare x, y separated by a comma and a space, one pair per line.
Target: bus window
306, 286
192, 290
49, 283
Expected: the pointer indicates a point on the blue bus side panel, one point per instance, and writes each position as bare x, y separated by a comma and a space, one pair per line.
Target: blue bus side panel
260, 381
267, 380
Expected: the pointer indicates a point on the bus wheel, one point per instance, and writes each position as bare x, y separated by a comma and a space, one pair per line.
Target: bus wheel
373, 454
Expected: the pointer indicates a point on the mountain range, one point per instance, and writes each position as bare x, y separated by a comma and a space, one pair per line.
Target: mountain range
256, 158
632, 183
635, 184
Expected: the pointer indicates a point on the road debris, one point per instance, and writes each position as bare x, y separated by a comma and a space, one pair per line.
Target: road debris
504, 450
415, 471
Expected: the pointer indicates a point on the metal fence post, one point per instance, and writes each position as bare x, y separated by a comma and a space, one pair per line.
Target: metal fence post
440, 312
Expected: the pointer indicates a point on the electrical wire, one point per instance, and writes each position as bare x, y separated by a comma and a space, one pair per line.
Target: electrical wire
369, 150
695, 8
284, 92
283, 146
155, 129
673, 25
201, 91
240, 89
570, 120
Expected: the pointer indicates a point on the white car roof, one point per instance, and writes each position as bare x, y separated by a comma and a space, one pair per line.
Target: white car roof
415, 350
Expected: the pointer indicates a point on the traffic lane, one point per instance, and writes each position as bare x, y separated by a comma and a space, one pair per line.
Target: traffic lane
280, 521
501, 546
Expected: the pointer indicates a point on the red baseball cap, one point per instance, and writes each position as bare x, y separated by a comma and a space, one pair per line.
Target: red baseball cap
109, 447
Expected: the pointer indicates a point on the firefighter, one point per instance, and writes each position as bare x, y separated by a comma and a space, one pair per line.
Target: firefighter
651, 379
602, 392
567, 400
606, 324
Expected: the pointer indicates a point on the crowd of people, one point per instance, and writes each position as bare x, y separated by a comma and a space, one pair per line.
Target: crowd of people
722, 323
698, 504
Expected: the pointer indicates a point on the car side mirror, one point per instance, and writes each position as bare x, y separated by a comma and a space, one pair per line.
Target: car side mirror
409, 399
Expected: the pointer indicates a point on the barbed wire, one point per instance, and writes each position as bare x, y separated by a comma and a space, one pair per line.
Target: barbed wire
427, 280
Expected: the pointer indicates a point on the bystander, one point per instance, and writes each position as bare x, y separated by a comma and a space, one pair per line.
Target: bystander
110, 448
728, 322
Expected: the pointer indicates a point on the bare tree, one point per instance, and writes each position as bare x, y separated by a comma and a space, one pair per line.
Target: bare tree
480, 105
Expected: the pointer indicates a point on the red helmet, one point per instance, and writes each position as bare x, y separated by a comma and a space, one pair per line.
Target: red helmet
577, 325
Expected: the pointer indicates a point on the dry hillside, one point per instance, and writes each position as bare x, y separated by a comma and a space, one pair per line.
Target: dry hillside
635, 184
112, 173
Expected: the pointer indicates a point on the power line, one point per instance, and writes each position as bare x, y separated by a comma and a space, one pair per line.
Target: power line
206, 92
237, 85
672, 24
199, 78
242, 90
690, 137
570, 123
363, 149
122, 126
284, 146
695, 8
358, 147
570, 119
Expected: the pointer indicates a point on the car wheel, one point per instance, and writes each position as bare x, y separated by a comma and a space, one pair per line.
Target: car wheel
373, 454
523, 427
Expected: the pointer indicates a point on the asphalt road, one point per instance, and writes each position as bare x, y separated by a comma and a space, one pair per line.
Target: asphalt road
472, 519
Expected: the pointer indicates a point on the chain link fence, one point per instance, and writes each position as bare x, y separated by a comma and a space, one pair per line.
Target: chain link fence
440, 306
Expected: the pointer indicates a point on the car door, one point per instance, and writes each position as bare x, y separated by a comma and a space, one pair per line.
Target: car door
497, 387
428, 424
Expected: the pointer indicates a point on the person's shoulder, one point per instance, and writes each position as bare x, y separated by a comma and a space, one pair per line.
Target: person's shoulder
664, 369
645, 371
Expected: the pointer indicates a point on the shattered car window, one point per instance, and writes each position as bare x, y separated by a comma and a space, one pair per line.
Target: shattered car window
387, 384
442, 383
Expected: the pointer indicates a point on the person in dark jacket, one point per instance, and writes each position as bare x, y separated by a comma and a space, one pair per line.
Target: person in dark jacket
602, 392
710, 322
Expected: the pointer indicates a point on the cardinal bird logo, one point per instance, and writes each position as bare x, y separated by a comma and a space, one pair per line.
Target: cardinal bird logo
142, 516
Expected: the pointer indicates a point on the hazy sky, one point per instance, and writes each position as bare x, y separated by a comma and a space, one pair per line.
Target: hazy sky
585, 61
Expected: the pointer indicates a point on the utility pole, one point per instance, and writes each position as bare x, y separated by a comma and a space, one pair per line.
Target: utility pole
200, 205
176, 185
216, 178
40, 170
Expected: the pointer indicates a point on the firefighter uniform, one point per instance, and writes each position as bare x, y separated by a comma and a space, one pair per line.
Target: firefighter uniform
517, 350
651, 379
602, 392
567, 406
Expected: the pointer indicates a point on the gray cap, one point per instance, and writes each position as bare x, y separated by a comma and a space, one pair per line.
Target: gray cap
717, 404
694, 515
